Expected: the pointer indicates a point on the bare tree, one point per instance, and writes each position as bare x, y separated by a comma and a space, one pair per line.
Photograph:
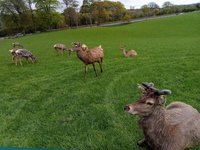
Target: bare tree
167, 4
153, 5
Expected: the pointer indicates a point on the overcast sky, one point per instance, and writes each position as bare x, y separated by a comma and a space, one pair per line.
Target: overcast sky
139, 3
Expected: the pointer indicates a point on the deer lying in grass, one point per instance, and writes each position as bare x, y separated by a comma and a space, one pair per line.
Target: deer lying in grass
61, 48
89, 56
130, 53
175, 127
19, 54
17, 45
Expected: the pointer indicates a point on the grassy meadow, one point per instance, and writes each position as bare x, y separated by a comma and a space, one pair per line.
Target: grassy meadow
50, 105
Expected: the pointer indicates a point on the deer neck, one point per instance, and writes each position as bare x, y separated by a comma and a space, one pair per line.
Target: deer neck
124, 52
156, 118
84, 56
155, 127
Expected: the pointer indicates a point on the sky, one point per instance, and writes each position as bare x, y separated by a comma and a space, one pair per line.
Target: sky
139, 3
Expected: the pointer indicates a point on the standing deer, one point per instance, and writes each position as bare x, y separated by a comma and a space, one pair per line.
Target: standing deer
89, 56
175, 127
130, 53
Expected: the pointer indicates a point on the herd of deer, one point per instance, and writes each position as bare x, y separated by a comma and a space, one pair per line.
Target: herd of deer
85, 54
175, 127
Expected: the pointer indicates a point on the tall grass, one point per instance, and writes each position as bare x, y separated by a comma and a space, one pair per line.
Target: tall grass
50, 105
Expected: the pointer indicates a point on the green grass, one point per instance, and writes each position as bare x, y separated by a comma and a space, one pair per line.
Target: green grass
50, 105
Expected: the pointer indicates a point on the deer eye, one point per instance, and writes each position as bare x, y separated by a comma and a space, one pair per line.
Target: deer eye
149, 103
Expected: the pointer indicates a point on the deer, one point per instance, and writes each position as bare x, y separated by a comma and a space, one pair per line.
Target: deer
130, 53
17, 45
19, 54
61, 48
175, 127
89, 56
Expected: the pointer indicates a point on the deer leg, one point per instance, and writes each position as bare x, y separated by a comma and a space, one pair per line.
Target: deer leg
142, 143
94, 69
20, 60
31, 60
100, 64
85, 71
56, 51
15, 60
62, 51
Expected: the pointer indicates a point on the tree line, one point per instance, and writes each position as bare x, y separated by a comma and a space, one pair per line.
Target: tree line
29, 16
152, 9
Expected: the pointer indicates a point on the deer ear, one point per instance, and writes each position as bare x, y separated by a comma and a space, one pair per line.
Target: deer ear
161, 100
163, 92
141, 88
150, 102
145, 87
148, 85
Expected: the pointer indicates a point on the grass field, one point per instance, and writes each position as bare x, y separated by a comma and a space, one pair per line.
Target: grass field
50, 105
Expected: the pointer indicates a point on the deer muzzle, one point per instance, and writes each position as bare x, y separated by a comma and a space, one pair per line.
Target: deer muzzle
126, 108
130, 109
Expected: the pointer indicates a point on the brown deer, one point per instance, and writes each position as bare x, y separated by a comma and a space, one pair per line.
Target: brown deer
61, 48
130, 53
175, 127
89, 56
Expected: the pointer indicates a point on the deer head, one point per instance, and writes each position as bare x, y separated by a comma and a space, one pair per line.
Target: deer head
12, 51
149, 101
76, 46
122, 47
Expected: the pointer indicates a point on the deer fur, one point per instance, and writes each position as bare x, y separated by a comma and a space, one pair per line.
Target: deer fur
19, 54
175, 127
61, 48
130, 53
89, 56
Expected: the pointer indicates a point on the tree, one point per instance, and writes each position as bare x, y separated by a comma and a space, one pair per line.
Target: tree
86, 11
71, 3
58, 20
118, 11
153, 5
127, 17
154, 8
145, 10
105, 11
15, 15
70, 16
45, 9
100, 12
168, 8
30, 3
167, 4
70, 13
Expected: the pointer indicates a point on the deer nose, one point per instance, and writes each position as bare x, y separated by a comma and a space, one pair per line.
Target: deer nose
126, 108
